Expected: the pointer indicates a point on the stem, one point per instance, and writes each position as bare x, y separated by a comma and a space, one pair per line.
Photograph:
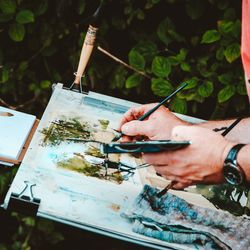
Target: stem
26, 241
20, 105
122, 62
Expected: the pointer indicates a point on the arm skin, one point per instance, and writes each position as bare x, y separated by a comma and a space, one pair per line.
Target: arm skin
202, 161
240, 133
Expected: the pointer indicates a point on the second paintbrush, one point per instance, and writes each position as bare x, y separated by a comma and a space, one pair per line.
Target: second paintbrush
147, 114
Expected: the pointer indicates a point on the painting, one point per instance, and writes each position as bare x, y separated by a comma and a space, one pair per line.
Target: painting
76, 183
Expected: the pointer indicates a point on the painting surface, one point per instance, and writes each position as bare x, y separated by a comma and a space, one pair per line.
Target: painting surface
68, 170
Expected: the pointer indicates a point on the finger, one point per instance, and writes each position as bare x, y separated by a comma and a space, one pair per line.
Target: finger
168, 171
126, 138
135, 113
181, 185
135, 128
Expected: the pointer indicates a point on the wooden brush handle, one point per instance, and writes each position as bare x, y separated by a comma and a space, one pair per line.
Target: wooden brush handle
87, 48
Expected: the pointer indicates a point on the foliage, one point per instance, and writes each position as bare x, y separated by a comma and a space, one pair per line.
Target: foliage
193, 41
171, 41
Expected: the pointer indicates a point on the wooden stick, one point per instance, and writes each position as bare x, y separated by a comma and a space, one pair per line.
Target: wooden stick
121, 62
87, 48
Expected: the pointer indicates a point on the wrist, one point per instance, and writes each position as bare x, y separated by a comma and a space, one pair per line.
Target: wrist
243, 161
225, 150
233, 173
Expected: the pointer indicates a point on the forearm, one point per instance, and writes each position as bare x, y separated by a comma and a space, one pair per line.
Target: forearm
240, 133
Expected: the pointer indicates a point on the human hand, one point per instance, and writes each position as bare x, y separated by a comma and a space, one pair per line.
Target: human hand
200, 162
157, 126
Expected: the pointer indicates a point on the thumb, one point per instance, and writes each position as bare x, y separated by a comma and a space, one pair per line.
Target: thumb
135, 128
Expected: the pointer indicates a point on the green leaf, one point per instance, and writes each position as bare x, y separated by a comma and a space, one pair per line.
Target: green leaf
173, 61
226, 93
210, 36
147, 49
161, 67
225, 26
133, 81
136, 60
195, 8
41, 8
119, 78
225, 78
161, 87
190, 95
8, 6
206, 89
17, 32
33, 87
45, 84
232, 52
178, 105
215, 66
29, 221
239, 104
5, 75
25, 16
185, 67
220, 54
182, 55
192, 83
236, 32
81, 7
23, 66
241, 89
163, 31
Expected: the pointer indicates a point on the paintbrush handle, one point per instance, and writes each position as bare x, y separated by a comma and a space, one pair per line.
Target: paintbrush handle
147, 114
87, 48
165, 190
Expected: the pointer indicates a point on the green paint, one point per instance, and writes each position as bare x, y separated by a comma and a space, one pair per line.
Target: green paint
60, 130
104, 124
93, 151
79, 164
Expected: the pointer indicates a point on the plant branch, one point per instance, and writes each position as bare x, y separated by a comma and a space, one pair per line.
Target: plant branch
20, 105
122, 62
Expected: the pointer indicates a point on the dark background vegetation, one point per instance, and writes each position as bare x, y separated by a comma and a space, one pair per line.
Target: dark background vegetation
171, 41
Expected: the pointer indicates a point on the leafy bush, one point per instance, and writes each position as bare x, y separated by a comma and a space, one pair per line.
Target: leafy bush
171, 41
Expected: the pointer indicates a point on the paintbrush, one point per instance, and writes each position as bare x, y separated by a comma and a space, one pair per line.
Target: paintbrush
165, 190
87, 49
147, 114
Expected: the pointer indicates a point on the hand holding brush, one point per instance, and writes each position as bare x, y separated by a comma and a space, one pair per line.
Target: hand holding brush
151, 111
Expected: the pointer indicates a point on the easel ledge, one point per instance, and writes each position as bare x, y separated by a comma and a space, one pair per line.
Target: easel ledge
25, 147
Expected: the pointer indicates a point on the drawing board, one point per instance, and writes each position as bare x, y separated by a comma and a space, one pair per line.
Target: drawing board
69, 177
